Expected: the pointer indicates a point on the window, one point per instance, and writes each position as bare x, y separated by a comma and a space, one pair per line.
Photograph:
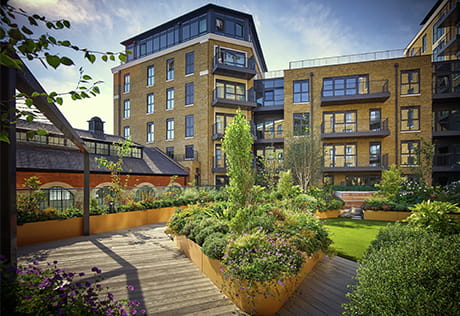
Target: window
301, 124
170, 129
270, 92
300, 91
126, 108
150, 103
375, 120
189, 93
339, 155
349, 85
170, 152
339, 122
170, 69
222, 180
374, 155
218, 158
126, 83
189, 63
189, 152
438, 32
189, 126
150, 75
410, 118
170, 99
238, 30
409, 152
60, 198
230, 57
424, 44
221, 122
126, 132
266, 129
219, 25
230, 90
150, 132
410, 82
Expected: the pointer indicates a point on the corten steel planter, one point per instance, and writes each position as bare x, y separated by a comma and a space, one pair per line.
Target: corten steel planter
256, 300
328, 214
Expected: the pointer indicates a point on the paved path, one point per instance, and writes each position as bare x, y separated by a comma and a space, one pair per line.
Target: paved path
167, 283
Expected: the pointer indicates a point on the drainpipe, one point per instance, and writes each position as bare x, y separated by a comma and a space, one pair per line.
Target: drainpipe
396, 114
311, 98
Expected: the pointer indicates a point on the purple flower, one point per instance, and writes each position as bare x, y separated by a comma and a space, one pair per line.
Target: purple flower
280, 282
95, 269
130, 288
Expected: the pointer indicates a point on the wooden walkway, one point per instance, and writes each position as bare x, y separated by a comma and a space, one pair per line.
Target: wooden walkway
167, 283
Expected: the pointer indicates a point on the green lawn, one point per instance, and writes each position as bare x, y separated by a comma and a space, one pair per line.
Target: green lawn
352, 237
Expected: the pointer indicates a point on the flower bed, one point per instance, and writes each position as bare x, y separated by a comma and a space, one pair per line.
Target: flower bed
37, 232
256, 298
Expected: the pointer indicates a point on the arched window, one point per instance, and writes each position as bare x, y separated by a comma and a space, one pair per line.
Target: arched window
60, 198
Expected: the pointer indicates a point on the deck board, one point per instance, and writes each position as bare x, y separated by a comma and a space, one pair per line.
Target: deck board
168, 283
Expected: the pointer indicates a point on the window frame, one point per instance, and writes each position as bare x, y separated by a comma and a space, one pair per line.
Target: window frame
223, 85
150, 75
150, 132
150, 103
373, 123
304, 95
170, 152
346, 84
377, 162
126, 83
189, 63
341, 127
126, 108
411, 122
410, 155
189, 126
333, 158
303, 117
126, 132
413, 86
170, 69
187, 150
170, 129
169, 98
189, 93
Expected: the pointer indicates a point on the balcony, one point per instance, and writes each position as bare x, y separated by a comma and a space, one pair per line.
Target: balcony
233, 100
218, 131
446, 79
446, 162
269, 137
234, 67
270, 108
349, 130
448, 125
376, 91
451, 17
376, 163
218, 165
186, 157
451, 46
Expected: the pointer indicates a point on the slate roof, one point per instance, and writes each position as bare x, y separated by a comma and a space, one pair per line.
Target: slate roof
32, 156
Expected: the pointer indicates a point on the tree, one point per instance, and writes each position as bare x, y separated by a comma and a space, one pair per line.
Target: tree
304, 156
237, 145
21, 41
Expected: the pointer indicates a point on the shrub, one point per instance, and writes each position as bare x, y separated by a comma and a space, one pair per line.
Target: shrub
214, 245
49, 290
335, 204
391, 182
304, 202
433, 215
408, 271
206, 227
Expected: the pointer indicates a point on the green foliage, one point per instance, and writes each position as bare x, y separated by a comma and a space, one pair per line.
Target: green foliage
286, 186
206, 227
353, 188
391, 183
214, 245
325, 198
433, 215
28, 204
237, 145
304, 203
408, 271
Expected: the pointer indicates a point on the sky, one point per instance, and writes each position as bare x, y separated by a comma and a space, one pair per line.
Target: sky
288, 30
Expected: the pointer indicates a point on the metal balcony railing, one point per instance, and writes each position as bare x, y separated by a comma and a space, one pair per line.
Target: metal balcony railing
235, 98
269, 135
375, 162
243, 63
350, 129
451, 160
186, 157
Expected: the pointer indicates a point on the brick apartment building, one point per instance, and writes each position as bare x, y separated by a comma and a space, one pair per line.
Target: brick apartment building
186, 78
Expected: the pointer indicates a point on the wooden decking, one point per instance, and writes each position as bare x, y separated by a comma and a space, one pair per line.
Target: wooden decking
167, 283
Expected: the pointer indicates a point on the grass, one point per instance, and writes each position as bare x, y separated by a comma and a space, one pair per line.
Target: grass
352, 237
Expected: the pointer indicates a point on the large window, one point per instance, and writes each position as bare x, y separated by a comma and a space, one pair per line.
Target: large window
194, 28
150, 75
230, 26
170, 99
410, 82
170, 129
189, 152
409, 152
230, 90
374, 154
271, 155
301, 124
349, 85
340, 155
170, 69
126, 83
230, 57
222, 121
150, 132
126, 108
60, 198
300, 93
189, 63
375, 118
189, 93
410, 118
270, 92
150, 103
126, 132
339, 122
189, 126
269, 129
